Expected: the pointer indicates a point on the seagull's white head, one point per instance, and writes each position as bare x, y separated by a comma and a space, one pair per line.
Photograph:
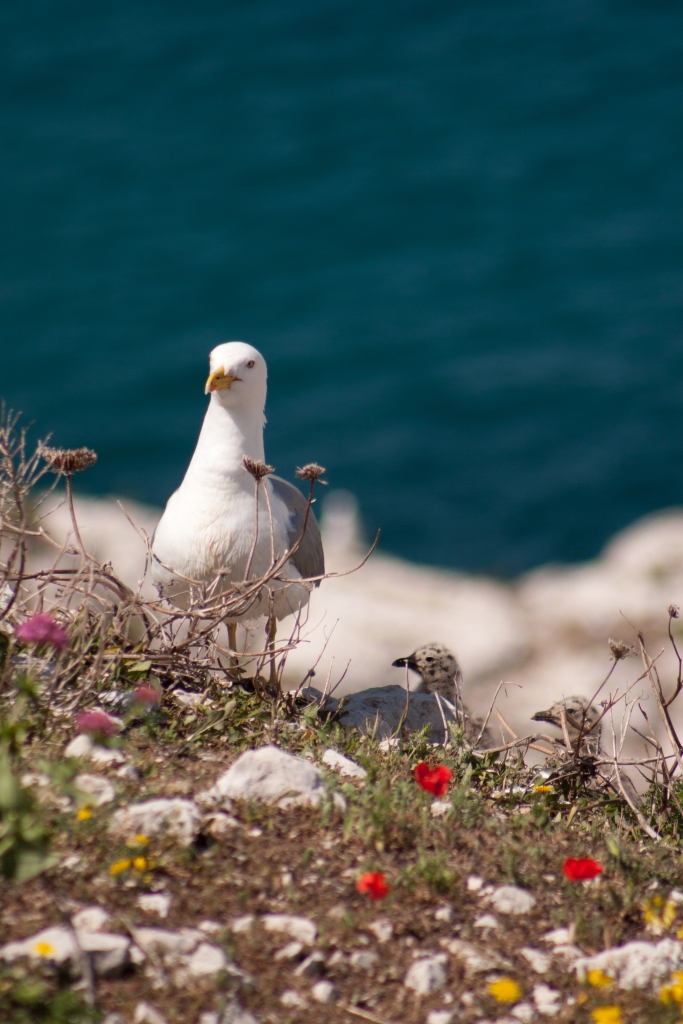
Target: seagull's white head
237, 376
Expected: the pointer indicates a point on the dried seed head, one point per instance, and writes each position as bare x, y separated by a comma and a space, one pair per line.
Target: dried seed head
674, 611
620, 650
310, 472
69, 460
257, 468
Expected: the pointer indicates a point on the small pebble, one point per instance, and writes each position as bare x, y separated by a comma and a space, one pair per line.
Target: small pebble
324, 991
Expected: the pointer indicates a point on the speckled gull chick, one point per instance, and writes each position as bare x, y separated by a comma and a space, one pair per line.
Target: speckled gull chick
441, 675
208, 525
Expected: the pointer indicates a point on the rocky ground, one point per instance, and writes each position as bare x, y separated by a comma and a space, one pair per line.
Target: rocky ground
202, 860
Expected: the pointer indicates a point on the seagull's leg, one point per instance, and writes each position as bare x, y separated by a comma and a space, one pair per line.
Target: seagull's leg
272, 630
232, 643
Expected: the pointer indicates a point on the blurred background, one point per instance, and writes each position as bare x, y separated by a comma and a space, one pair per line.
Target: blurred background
453, 228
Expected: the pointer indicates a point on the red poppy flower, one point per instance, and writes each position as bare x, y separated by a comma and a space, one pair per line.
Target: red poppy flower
374, 885
582, 869
433, 780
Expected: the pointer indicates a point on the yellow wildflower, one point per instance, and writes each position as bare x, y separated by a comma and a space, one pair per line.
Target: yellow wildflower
119, 866
506, 990
139, 840
543, 789
44, 949
673, 992
598, 979
84, 813
606, 1015
658, 914
140, 863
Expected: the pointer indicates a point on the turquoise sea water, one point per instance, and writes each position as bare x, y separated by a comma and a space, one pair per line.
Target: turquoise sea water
455, 229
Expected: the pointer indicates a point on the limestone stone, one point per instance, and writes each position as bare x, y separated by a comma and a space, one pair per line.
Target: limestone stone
96, 786
636, 964
179, 818
344, 765
302, 929
510, 899
426, 975
268, 774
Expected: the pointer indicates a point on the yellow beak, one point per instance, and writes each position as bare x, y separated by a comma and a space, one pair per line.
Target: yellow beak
217, 380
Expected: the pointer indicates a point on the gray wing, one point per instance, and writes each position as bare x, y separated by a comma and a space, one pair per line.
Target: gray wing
308, 558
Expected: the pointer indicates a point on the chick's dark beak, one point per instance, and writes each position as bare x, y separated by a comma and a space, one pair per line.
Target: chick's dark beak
544, 716
402, 662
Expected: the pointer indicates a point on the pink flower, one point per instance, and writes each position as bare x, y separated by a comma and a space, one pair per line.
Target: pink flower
433, 780
43, 630
374, 885
96, 722
581, 870
147, 695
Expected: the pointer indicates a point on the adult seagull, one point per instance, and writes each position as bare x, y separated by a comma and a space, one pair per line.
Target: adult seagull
209, 523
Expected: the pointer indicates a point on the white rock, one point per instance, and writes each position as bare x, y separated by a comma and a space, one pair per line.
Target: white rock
473, 959
206, 959
178, 818
209, 927
636, 964
300, 928
444, 913
190, 700
106, 755
547, 1000
80, 746
268, 774
113, 1018
54, 944
236, 1014
381, 929
486, 922
510, 899
363, 959
96, 786
291, 951
209, 1018
523, 1012
292, 999
440, 1016
220, 825
474, 883
154, 903
344, 765
35, 779
311, 967
538, 961
426, 976
240, 925
163, 942
558, 937
440, 808
110, 952
90, 919
146, 1014
324, 992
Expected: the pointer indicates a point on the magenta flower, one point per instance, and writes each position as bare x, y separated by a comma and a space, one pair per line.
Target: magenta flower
96, 723
147, 695
43, 630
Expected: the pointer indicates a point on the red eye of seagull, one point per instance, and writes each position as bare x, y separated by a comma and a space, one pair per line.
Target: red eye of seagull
250, 364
